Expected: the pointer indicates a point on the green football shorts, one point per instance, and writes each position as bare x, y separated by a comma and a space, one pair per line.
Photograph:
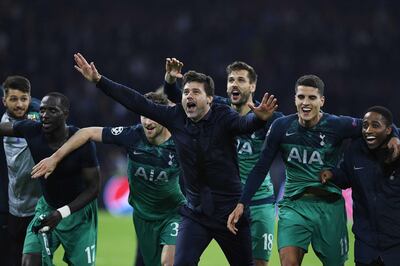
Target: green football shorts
322, 223
77, 234
153, 235
262, 230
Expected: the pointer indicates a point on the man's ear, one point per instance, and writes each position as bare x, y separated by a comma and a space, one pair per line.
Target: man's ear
253, 87
389, 130
209, 99
66, 114
322, 100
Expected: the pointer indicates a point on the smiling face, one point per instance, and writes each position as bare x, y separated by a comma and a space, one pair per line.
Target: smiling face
51, 114
16, 102
239, 88
375, 130
195, 101
308, 104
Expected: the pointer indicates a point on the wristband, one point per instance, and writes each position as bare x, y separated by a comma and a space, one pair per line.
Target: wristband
44, 229
65, 211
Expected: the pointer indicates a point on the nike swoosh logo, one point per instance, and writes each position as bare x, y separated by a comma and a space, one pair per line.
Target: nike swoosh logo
289, 134
137, 153
358, 168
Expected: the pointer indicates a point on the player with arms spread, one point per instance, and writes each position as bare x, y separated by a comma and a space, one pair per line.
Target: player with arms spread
204, 137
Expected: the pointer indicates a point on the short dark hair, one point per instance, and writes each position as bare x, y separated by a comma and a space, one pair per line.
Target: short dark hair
239, 65
387, 115
157, 97
17, 83
208, 82
64, 101
311, 81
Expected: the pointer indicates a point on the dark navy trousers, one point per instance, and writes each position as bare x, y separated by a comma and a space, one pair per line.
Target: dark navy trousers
194, 237
371, 256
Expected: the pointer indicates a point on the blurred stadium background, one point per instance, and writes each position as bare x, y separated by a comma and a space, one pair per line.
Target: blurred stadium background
351, 45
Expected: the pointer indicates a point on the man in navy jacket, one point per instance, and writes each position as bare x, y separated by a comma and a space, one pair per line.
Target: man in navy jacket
375, 182
204, 135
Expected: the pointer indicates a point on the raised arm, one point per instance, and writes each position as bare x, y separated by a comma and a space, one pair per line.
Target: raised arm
128, 97
266, 108
253, 121
46, 166
173, 92
173, 68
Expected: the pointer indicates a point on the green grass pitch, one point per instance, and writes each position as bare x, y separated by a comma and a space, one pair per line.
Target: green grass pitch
116, 246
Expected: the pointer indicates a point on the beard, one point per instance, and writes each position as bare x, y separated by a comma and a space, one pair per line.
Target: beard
244, 97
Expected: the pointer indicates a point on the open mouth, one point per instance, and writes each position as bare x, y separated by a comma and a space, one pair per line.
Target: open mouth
150, 129
370, 139
46, 125
190, 106
306, 110
235, 94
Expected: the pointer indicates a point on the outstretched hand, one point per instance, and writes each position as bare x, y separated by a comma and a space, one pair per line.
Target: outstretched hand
87, 70
266, 108
234, 218
173, 68
325, 176
44, 168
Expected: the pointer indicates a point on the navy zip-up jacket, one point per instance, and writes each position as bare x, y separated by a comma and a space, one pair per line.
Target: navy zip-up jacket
376, 194
206, 148
174, 94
